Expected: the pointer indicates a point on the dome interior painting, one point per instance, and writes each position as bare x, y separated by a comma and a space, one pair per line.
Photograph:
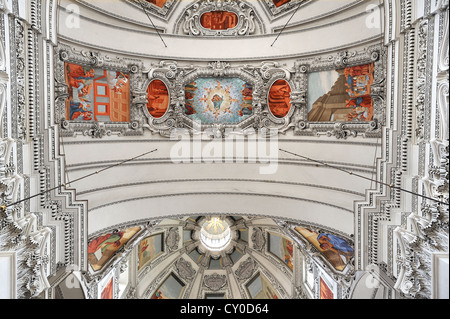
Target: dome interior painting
224, 149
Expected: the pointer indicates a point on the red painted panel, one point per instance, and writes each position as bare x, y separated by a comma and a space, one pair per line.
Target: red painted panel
158, 98
279, 98
219, 20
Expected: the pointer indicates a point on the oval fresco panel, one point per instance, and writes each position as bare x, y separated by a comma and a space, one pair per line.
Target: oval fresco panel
279, 98
219, 20
158, 98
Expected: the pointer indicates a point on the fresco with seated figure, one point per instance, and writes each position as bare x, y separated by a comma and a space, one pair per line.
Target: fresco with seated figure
218, 100
102, 248
341, 95
334, 248
96, 94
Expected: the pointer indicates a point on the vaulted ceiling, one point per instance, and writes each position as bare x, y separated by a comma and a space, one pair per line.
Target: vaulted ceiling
310, 181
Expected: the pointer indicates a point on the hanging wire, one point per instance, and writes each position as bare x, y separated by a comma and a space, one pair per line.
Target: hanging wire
364, 177
4, 207
296, 9
151, 21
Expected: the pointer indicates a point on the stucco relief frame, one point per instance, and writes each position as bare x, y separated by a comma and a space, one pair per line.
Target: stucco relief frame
341, 130
189, 23
65, 54
163, 12
262, 76
314, 254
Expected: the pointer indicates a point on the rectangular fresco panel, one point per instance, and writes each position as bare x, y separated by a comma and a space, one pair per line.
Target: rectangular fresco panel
282, 248
102, 248
260, 288
171, 288
96, 94
150, 248
218, 100
335, 249
341, 95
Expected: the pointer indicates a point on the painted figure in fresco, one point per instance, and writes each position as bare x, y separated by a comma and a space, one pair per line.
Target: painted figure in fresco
189, 108
80, 79
77, 74
158, 295
77, 108
362, 109
290, 252
247, 97
107, 293
358, 80
217, 101
116, 80
105, 241
336, 244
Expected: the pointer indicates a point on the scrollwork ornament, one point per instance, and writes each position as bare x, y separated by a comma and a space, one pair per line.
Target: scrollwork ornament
215, 281
247, 20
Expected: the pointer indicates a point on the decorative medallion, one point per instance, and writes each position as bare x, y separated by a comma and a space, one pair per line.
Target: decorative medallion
245, 269
258, 238
172, 239
215, 281
185, 269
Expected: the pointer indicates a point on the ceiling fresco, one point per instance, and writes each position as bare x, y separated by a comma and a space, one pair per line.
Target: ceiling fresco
223, 149
257, 247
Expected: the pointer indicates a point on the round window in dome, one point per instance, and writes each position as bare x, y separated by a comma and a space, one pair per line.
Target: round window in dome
215, 234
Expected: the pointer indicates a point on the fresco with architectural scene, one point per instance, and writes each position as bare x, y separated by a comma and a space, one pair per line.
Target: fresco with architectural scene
341, 95
97, 94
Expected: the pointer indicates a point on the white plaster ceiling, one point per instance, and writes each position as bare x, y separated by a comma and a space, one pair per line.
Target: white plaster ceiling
154, 186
